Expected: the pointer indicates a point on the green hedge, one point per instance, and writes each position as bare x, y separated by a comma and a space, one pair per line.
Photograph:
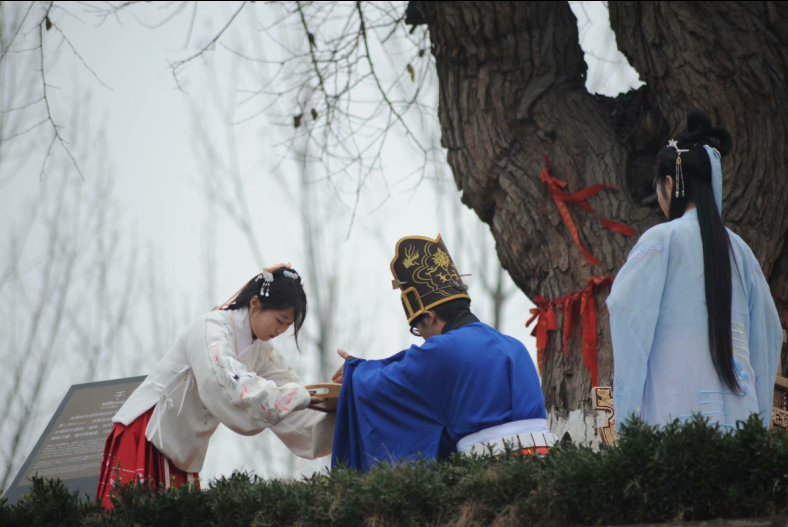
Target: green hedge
685, 472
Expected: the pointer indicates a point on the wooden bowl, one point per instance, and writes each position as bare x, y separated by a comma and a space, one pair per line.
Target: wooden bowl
326, 390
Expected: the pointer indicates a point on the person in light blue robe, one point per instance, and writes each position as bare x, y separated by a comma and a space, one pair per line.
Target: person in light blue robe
465, 387
673, 356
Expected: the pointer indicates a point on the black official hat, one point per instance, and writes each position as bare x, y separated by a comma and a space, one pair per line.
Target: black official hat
425, 273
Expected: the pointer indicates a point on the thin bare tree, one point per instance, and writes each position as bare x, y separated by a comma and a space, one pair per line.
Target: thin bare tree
70, 276
69, 301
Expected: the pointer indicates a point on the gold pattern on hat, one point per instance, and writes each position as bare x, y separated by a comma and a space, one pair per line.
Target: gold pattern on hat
426, 275
410, 257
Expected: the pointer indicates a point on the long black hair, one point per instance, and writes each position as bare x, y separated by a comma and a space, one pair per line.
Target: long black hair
696, 167
286, 291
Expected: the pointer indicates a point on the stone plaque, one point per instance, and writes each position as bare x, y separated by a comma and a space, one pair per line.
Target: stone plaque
72, 445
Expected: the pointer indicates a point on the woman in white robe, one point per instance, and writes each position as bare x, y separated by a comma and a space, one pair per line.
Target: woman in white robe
673, 356
222, 369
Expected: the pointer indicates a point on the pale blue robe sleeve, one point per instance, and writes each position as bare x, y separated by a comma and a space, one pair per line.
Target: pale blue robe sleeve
765, 340
634, 307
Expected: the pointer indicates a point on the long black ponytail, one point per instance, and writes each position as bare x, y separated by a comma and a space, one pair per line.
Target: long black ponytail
696, 168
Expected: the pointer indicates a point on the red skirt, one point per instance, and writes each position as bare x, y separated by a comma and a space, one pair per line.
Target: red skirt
129, 456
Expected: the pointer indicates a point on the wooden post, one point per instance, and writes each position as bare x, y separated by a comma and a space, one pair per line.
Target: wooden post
602, 397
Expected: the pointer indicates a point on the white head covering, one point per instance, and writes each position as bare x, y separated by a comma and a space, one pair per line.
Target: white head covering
716, 176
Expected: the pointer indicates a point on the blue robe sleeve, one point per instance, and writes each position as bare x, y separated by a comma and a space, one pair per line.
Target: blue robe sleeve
634, 306
765, 340
392, 409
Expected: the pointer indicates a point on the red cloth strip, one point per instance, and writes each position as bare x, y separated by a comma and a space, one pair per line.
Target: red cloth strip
561, 198
547, 321
588, 322
588, 325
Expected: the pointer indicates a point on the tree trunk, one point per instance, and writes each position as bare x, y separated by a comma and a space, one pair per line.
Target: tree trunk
512, 91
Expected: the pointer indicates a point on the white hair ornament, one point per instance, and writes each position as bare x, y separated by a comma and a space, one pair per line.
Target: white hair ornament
267, 278
679, 173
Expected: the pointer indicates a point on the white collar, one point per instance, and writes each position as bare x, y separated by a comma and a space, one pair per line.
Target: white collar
242, 330
691, 214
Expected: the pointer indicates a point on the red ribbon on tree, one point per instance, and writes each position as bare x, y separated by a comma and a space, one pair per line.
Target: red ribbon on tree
785, 307
588, 321
547, 321
588, 324
561, 198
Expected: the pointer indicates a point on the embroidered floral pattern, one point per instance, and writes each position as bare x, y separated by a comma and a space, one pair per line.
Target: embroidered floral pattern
244, 388
233, 382
645, 251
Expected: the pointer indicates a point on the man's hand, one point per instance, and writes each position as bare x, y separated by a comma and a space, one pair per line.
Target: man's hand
339, 375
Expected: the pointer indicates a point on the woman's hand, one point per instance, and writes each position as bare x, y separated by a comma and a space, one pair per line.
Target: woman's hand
315, 400
277, 266
339, 375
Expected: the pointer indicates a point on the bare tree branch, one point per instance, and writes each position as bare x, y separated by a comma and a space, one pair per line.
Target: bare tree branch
191, 25
180, 63
55, 129
95, 75
383, 92
24, 107
23, 132
19, 27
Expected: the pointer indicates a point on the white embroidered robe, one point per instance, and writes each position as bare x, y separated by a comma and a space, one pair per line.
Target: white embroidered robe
216, 374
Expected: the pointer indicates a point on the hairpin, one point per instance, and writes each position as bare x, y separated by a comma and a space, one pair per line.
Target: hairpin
291, 274
679, 172
267, 279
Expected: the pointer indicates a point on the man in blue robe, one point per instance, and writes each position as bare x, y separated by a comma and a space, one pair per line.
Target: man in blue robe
467, 388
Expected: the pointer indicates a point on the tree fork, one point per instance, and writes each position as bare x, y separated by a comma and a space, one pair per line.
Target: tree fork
512, 91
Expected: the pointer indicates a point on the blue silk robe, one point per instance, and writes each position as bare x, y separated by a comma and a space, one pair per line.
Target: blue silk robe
423, 400
659, 323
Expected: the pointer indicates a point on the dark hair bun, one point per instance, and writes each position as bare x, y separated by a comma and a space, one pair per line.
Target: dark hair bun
699, 130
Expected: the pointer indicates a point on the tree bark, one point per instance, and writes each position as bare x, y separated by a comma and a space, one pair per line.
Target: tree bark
512, 91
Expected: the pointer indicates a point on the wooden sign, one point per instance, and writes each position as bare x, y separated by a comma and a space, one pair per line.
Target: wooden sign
72, 445
780, 405
602, 399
